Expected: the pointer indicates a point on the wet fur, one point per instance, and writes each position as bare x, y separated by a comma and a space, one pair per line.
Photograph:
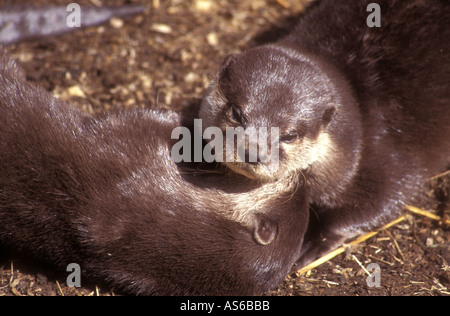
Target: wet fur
381, 95
103, 192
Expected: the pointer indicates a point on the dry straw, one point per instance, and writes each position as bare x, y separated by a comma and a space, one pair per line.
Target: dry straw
367, 236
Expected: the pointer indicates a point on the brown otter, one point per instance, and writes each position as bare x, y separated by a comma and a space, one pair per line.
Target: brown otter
103, 192
363, 112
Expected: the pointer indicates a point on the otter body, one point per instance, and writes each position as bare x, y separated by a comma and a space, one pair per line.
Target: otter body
103, 192
363, 113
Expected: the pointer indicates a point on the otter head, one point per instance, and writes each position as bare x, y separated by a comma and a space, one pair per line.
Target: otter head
269, 87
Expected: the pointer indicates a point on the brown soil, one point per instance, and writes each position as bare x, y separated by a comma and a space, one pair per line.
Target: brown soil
165, 58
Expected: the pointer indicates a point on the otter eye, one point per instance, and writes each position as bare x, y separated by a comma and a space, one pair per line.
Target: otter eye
235, 114
289, 137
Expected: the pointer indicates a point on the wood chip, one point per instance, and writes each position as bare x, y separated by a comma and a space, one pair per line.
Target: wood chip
203, 5
116, 23
75, 91
162, 28
212, 39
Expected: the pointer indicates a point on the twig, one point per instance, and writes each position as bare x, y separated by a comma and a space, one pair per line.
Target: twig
381, 260
97, 3
59, 288
440, 175
16, 293
320, 261
419, 211
396, 245
363, 238
342, 249
11, 277
284, 4
360, 264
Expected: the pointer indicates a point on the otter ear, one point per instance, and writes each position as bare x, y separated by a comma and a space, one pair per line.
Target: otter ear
265, 231
328, 115
228, 61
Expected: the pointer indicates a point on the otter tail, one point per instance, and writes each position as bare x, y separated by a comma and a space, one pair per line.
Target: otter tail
18, 23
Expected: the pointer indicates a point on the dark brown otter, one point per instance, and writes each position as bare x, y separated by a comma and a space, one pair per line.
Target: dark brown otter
363, 113
103, 192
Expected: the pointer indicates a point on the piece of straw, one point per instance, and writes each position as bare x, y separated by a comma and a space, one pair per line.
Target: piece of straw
421, 212
59, 288
284, 4
342, 249
441, 175
367, 236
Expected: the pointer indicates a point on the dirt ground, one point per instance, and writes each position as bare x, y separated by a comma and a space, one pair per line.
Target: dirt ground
165, 58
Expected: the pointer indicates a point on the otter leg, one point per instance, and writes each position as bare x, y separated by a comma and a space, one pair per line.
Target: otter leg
327, 230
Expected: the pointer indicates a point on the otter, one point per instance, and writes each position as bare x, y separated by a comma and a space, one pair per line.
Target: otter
19, 23
363, 112
103, 192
